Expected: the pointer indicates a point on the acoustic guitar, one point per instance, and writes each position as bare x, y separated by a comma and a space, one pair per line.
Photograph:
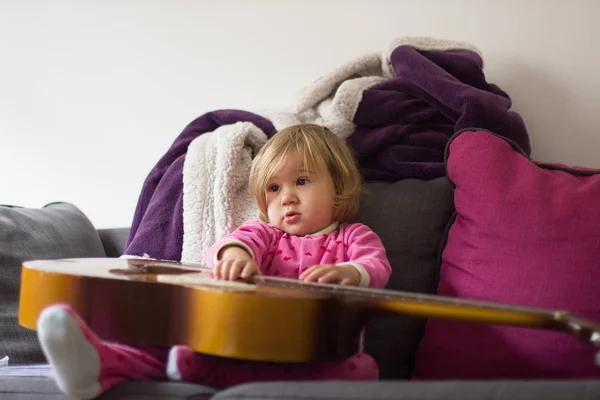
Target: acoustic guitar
140, 301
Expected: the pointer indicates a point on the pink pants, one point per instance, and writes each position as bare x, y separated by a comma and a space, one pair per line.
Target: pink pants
119, 363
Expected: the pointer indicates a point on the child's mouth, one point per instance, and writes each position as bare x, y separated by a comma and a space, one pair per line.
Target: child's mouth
291, 216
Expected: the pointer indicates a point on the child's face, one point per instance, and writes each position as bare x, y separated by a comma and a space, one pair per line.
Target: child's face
299, 202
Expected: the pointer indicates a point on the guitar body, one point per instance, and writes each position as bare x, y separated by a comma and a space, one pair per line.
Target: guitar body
125, 301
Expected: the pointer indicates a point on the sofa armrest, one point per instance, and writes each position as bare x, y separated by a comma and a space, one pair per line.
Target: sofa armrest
113, 240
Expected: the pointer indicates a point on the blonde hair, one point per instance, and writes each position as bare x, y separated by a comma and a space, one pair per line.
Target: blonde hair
321, 150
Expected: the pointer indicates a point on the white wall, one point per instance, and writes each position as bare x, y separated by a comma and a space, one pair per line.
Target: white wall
92, 93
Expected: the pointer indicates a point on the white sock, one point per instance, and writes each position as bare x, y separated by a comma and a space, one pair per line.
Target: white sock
172, 370
75, 361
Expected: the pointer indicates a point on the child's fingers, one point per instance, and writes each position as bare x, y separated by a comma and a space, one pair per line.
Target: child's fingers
310, 275
224, 269
315, 273
249, 270
232, 269
235, 269
330, 277
306, 272
310, 270
218, 270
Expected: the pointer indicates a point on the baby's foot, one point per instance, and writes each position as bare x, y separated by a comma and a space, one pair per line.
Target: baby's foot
84, 365
75, 361
185, 365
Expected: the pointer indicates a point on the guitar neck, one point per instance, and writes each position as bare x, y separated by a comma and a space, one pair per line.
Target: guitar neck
434, 306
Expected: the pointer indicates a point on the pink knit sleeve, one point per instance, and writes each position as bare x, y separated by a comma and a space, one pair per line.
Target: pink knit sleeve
365, 248
253, 236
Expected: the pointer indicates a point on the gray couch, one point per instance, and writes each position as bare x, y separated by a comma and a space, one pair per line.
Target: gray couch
411, 217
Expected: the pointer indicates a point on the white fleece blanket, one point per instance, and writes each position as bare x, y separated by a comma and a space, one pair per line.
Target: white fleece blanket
215, 186
332, 100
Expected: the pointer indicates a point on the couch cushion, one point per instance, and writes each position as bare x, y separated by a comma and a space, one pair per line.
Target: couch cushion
525, 233
411, 217
58, 230
24, 387
114, 240
453, 390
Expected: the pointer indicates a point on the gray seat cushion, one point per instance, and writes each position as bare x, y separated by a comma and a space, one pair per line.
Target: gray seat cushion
58, 230
158, 390
113, 240
450, 390
40, 388
411, 217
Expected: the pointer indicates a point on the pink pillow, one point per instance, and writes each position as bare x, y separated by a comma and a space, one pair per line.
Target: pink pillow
525, 233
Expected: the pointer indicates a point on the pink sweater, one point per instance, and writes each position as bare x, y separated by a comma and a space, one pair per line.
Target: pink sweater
280, 254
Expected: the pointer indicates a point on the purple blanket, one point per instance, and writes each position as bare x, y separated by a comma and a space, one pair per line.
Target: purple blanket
403, 124
398, 113
157, 228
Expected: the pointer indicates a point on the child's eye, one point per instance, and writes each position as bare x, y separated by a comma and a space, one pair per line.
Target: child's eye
301, 181
273, 188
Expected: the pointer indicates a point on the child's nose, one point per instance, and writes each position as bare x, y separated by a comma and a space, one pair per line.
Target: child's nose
289, 197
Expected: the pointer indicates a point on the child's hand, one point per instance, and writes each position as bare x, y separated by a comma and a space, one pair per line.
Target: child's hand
235, 263
329, 273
